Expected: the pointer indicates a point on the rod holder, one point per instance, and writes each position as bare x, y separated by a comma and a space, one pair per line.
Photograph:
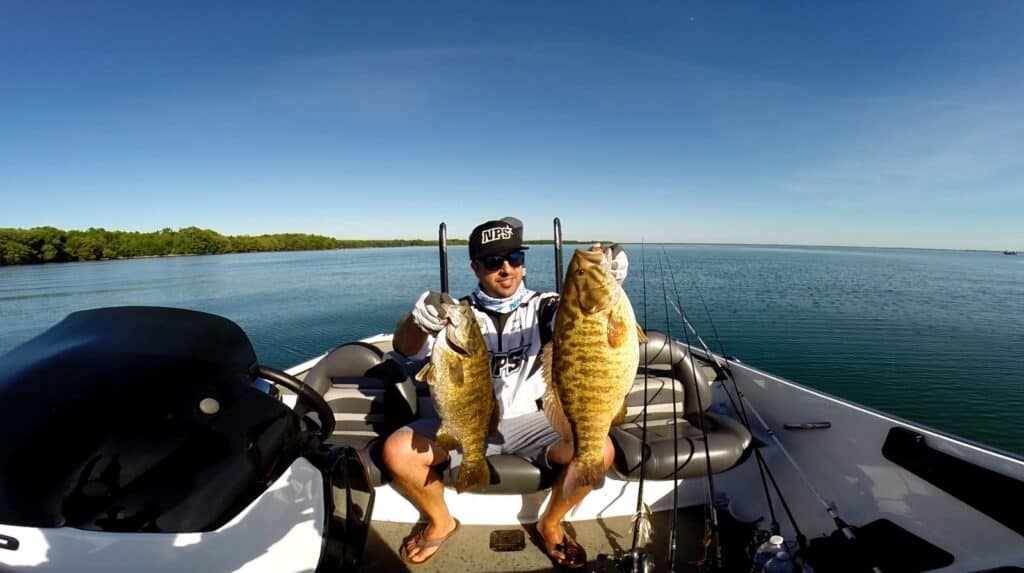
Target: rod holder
558, 255
442, 253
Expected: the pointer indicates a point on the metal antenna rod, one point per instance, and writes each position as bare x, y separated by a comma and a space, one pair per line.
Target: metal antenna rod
442, 253
558, 255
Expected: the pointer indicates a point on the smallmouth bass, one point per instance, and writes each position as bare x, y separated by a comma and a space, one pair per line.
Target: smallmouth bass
460, 380
590, 364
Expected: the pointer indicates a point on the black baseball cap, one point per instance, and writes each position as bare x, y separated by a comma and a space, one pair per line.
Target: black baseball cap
496, 238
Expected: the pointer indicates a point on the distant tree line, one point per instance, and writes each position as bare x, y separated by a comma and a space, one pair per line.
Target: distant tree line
51, 245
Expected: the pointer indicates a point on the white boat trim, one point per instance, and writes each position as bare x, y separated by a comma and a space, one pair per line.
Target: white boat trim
887, 417
281, 530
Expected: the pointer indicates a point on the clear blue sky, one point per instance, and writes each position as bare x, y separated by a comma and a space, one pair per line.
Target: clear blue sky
890, 124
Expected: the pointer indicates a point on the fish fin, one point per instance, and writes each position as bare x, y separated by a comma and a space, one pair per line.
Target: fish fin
455, 373
473, 474
547, 353
617, 332
555, 413
551, 404
578, 476
426, 374
446, 440
640, 334
621, 416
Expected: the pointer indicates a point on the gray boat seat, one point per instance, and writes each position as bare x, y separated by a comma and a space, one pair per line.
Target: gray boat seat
371, 401
670, 367
370, 393
726, 447
509, 473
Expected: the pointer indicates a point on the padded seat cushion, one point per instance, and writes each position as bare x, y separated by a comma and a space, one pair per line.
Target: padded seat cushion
509, 474
727, 441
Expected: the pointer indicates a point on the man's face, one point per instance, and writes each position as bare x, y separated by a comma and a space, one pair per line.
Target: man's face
500, 283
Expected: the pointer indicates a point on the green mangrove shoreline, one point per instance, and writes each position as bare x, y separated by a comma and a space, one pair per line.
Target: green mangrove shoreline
51, 245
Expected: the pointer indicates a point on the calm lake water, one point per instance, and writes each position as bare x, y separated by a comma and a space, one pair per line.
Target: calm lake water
932, 336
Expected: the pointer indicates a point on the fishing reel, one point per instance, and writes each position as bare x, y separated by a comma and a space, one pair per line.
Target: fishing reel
634, 561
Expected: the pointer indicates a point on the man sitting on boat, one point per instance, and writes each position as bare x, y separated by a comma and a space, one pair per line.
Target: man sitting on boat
516, 322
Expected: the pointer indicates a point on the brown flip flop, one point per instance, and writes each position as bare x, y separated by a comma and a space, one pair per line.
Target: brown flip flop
574, 556
421, 543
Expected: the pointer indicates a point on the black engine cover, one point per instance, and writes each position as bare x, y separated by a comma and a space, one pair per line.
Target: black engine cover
102, 429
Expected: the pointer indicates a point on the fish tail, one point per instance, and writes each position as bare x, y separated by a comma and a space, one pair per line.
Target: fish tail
474, 473
579, 475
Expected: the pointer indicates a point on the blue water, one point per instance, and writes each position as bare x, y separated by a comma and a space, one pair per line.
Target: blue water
932, 336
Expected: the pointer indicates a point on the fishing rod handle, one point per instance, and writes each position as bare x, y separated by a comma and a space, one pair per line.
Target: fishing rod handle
442, 248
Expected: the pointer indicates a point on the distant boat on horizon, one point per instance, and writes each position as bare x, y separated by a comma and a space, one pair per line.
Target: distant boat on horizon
1009, 252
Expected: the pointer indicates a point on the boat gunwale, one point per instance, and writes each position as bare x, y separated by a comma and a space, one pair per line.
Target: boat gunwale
959, 440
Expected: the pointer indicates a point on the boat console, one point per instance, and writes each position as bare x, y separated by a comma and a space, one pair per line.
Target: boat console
127, 427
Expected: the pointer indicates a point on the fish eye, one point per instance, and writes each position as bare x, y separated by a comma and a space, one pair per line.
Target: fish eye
580, 272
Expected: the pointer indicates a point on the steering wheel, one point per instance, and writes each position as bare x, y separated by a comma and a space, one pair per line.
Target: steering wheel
307, 395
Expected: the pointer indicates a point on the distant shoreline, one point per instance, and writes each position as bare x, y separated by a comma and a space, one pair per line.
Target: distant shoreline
42, 245
462, 242
404, 244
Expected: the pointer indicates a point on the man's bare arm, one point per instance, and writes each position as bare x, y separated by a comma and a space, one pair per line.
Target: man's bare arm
408, 339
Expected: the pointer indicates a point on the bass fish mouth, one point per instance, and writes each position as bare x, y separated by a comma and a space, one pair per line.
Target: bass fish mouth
598, 297
590, 283
457, 348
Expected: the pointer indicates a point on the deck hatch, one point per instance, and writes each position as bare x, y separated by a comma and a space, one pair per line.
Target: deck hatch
983, 489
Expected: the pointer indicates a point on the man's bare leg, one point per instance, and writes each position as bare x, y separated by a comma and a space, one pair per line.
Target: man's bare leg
549, 525
410, 458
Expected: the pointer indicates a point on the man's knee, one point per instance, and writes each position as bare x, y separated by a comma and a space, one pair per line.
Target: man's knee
397, 449
405, 448
560, 452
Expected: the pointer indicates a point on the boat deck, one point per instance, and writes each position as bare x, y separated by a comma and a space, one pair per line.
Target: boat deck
469, 549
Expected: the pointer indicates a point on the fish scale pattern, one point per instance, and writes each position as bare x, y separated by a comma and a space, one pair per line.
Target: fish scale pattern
594, 359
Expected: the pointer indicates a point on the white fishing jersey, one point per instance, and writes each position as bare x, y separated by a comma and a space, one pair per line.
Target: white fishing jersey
514, 342
515, 351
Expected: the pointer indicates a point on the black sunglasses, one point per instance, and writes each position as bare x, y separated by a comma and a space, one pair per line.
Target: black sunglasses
494, 262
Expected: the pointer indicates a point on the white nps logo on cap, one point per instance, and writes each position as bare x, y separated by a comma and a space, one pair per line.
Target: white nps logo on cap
495, 234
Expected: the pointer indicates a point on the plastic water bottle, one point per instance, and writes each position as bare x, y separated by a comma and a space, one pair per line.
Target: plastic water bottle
767, 551
781, 563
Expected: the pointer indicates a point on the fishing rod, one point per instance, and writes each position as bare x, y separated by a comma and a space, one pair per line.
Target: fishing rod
762, 465
442, 248
688, 326
636, 560
637, 529
714, 329
715, 538
841, 525
672, 534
